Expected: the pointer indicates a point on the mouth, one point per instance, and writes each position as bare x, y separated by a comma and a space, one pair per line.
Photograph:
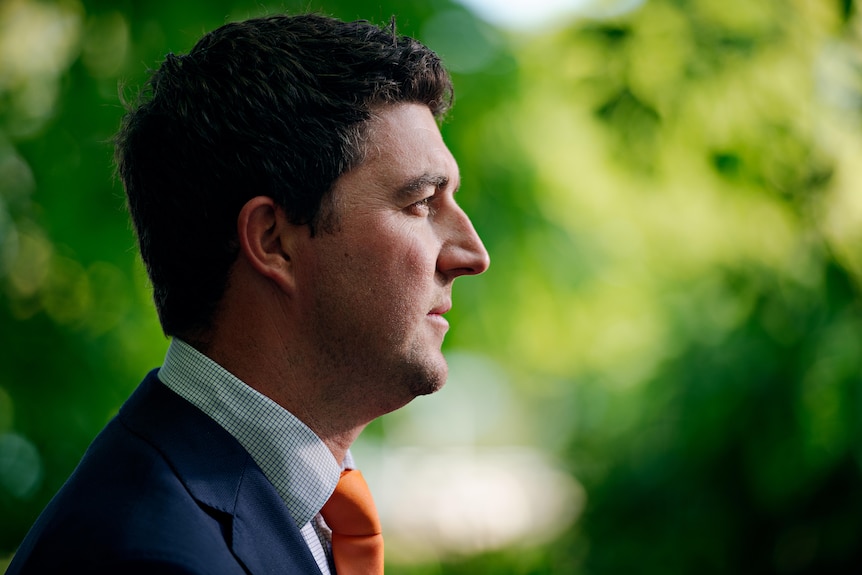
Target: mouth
436, 315
441, 309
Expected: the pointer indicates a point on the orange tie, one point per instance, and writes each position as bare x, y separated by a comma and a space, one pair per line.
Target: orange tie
357, 541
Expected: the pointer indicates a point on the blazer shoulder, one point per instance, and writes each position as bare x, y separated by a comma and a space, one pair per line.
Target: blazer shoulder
164, 489
127, 502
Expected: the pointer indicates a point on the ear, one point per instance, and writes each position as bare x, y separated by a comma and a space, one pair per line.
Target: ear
265, 237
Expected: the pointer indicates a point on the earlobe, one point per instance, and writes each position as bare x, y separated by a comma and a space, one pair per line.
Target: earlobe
264, 237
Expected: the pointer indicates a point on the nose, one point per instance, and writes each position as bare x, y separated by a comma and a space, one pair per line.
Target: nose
463, 252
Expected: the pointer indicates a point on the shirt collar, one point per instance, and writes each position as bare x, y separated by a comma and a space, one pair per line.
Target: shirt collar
292, 457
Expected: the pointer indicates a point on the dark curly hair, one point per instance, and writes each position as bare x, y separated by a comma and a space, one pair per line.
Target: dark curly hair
273, 106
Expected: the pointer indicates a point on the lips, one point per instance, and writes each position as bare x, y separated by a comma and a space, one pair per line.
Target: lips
441, 309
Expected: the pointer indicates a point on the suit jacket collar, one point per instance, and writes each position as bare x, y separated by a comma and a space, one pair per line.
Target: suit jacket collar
220, 475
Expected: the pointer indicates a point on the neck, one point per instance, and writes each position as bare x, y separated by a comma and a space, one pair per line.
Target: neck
281, 377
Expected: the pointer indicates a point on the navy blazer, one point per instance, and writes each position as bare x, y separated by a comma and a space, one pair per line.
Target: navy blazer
165, 489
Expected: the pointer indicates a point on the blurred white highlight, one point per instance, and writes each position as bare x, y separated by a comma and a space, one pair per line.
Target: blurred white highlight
533, 14
463, 502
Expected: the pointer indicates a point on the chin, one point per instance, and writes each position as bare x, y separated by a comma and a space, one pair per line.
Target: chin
416, 384
429, 379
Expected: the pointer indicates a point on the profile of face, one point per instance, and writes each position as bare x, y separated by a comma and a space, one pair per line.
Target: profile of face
378, 286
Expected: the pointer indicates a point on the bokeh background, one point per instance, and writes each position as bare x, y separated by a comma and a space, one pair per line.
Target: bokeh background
660, 372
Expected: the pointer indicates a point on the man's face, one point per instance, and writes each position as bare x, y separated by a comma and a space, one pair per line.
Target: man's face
377, 287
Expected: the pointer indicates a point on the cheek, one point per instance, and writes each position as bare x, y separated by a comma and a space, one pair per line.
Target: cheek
390, 262
412, 261
402, 247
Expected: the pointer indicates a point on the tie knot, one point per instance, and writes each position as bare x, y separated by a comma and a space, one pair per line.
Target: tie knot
350, 510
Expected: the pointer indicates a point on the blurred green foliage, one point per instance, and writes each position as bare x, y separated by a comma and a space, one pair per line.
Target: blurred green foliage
671, 201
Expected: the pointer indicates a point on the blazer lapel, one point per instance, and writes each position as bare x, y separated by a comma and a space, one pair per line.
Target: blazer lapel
221, 475
265, 537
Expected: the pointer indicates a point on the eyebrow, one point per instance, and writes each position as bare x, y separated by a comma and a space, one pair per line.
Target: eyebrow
416, 186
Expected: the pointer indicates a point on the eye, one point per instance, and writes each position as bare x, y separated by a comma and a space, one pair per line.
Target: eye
423, 207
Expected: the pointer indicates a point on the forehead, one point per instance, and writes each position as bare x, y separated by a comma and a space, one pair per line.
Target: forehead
403, 140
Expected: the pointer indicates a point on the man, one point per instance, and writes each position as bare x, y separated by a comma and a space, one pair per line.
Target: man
294, 206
